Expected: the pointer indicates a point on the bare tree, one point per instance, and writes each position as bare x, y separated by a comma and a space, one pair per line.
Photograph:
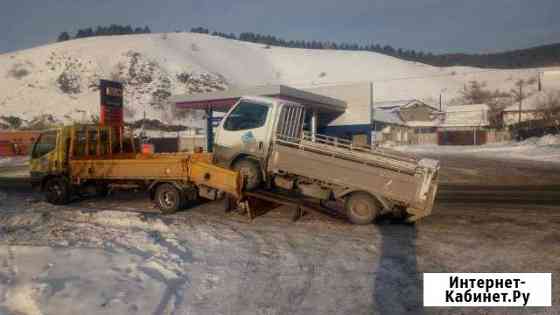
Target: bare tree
548, 108
476, 93
521, 90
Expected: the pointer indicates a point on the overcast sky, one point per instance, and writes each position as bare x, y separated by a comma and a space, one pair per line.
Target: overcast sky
429, 25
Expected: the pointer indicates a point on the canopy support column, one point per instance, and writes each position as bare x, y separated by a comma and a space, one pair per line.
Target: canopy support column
314, 122
209, 130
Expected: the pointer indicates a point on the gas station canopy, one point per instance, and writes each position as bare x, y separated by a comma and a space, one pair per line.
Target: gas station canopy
223, 100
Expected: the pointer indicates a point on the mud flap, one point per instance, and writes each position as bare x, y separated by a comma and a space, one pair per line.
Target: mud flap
416, 213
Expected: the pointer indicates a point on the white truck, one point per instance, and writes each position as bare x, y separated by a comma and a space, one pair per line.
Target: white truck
264, 139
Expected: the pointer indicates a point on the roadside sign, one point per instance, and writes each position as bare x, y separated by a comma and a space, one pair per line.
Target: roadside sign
111, 93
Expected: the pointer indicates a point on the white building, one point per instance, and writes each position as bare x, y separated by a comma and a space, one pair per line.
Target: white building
464, 125
466, 117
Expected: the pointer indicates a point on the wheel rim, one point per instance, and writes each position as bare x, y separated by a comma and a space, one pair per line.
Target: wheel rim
248, 174
361, 209
54, 191
168, 199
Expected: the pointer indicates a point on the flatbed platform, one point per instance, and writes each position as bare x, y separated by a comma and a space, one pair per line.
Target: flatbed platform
254, 201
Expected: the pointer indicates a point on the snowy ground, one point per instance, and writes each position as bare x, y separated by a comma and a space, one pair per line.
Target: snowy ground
14, 167
118, 255
546, 148
13, 161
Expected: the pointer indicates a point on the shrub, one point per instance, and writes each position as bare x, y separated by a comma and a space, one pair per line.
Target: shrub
18, 72
69, 83
183, 77
12, 121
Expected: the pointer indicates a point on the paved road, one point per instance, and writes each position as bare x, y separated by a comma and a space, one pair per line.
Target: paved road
462, 179
491, 194
469, 170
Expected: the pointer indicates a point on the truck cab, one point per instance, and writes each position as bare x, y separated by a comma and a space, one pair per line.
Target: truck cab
49, 155
245, 130
54, 149
244, 136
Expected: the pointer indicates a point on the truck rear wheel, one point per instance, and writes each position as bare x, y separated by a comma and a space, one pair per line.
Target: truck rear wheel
250, 171
361, 208
57, 191
168, 198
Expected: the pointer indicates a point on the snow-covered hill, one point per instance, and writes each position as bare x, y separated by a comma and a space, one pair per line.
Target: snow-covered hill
58, 82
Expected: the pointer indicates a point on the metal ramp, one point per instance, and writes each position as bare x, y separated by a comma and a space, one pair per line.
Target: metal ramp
254, 200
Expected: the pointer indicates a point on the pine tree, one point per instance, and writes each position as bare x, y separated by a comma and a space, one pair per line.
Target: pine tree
88, 32
64, 36
79, 34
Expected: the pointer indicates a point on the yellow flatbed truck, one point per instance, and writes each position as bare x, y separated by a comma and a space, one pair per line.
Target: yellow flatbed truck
88, 159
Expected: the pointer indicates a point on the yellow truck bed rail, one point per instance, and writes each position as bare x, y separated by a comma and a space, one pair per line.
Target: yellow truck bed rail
195, 168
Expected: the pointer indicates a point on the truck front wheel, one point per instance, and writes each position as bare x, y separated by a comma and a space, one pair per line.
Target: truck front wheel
101, 190
361, 208
168, 198
57, 191
250, 171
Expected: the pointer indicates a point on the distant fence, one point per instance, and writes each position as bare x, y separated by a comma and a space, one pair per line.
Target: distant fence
495, 136
7, 149
529, 132
165, 145
17, 142
177, 144
462, 137
424, 138
188, 144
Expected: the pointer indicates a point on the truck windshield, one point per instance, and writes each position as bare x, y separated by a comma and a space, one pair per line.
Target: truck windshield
45, 144
246, 116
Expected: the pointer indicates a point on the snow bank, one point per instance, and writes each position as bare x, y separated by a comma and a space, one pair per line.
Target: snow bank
549, 140
546, 148
14, 167
14, 161
21, 300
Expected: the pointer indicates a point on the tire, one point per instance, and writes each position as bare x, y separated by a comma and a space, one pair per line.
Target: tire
101, 190
57, 191
168, 198
251, 171
361, 208
189, 197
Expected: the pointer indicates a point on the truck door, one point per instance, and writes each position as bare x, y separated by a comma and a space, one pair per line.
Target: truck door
246, 129
44, 155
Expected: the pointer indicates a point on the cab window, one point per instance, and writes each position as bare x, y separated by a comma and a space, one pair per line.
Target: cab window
45, 144
246, 116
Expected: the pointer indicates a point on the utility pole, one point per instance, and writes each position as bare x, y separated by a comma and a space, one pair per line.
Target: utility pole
520, 101
209, 129
372, 132
441, 98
